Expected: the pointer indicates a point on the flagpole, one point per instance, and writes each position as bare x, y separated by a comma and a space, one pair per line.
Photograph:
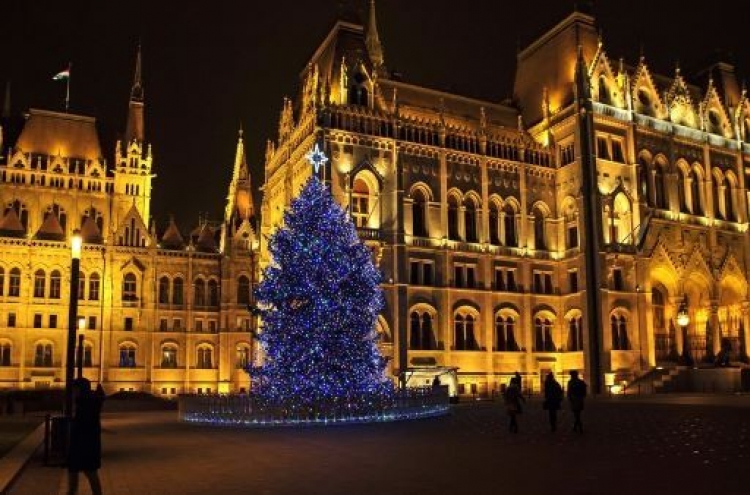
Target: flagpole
67, 90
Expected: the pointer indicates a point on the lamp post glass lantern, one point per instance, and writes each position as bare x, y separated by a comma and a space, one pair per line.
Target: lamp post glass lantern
76, 245
683, 320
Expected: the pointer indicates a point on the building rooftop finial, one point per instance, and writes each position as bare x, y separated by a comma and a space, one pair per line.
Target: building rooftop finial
374, 48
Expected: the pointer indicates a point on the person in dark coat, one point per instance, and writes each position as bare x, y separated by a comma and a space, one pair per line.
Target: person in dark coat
553, 396
576, 395
513, 399
85, 449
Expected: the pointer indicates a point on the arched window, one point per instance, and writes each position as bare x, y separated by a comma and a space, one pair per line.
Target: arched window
129, 288
509, 222
55, 282
660, 196
169, 356
40, 283
420, 327
464, 339
718, 211
695, 192
415, 331
243, 290
540, 234
360, 208
81, 286
242, 360
453, 231
419, 214
205, 354
505, 334
644, 182
682, 188
199, 296
575, 334
164, 290
620, 341
5, 350
494, 217
43, 356
127, 356
213, 293
728, 201
178, 291
14, 283
543, 341
470, 220
94, 287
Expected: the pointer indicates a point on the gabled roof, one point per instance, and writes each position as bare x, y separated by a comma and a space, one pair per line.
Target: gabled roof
63, 134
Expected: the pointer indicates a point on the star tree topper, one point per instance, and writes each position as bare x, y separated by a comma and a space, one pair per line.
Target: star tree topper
316, 157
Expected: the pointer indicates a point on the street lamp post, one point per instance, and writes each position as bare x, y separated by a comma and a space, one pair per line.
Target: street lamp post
76, 244
80, 348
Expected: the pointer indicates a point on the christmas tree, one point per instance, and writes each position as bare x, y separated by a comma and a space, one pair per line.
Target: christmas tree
320, 298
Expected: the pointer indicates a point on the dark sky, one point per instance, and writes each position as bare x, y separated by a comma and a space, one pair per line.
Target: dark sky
209, 65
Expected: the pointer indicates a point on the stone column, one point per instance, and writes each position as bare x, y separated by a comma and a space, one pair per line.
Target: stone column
713, 318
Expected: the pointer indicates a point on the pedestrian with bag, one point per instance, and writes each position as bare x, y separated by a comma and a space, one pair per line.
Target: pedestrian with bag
513, 399
576, 395
553, 397
85, 449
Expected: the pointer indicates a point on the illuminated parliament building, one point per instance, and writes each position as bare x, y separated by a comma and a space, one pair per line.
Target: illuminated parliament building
565, 229
596, 221
159, 311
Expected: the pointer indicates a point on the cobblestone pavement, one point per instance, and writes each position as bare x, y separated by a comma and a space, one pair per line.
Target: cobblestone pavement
629, 447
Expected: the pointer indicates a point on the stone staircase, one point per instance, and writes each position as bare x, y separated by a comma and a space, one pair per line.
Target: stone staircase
685, 379
657, 380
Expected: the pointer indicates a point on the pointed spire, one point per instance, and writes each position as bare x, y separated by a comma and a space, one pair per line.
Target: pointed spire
134, 129
374, 48
11, 225
239, 198
51, 229
172, 239
90, 231
136, 92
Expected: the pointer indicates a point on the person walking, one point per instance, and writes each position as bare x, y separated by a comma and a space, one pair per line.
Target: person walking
553, 397
517, 378
513, 400
85, 448
576, 396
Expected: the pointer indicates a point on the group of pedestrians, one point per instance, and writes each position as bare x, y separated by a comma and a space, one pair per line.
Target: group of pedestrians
553, 399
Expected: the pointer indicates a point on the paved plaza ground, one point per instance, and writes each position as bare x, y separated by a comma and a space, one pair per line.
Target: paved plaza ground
674, 445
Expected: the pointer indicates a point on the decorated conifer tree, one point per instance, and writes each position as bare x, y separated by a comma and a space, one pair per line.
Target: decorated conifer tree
320, 298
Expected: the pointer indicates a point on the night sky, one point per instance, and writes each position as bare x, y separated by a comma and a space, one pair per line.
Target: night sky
209, 66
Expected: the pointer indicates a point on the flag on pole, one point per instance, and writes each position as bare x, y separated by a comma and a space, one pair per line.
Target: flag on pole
62, 76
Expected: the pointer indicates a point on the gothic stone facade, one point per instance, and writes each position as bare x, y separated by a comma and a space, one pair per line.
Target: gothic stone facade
475, 209
161, 313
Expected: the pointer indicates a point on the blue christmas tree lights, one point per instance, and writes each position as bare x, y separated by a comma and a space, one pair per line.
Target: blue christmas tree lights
319, 299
